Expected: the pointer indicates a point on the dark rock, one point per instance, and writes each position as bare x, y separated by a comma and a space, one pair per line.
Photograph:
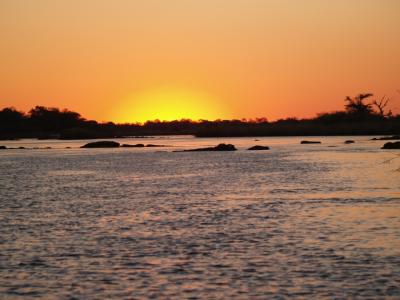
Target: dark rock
349, 142
310, 142
151, 145
133, 146
102, 144
220, 147
390, 145
21, 147
387, 138
258, 147
3, 147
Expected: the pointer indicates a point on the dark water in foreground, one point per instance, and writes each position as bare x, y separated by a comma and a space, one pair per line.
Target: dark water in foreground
298, 221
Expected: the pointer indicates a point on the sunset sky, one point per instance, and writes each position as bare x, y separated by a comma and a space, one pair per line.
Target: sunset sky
133, 60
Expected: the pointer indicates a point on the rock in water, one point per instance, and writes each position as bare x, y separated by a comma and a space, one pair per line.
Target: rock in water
220, 147
258, 147
225, 147
349, 142
152, 145
310, 142
387, 138
3, 147
132, 146
101, 144
390, 145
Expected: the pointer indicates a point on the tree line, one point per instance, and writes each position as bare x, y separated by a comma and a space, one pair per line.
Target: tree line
361, 116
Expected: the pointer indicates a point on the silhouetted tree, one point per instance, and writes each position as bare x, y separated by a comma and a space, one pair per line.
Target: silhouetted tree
357, 106
53, 120
380, 106
11, 115
11, 120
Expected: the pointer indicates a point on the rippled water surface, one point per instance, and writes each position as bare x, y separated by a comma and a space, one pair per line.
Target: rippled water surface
299, 221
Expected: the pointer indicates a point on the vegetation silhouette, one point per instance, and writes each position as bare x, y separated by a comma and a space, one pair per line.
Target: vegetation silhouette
359, 117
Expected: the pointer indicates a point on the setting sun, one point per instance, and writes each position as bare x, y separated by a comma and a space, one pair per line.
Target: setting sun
166, 104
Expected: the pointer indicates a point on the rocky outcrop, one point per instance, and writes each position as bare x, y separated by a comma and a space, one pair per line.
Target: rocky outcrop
390, 145
387, 138
258, 147
101, 144
220, 147
310, 142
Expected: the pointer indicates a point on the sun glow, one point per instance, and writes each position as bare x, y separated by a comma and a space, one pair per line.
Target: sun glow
168, 104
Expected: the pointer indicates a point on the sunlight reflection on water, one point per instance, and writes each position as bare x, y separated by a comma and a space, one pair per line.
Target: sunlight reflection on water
305, 221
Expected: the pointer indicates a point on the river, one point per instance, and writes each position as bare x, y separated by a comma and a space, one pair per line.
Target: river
296, 221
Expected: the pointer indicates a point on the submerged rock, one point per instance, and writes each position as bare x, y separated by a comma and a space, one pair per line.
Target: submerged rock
132, 146
220, 147
310, 142
258, 147
101, 144
390, 145
349, 142
387, 138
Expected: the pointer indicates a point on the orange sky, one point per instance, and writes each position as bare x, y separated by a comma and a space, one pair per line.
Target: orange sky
131, 60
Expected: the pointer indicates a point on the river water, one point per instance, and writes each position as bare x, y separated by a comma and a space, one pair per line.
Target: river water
297, 221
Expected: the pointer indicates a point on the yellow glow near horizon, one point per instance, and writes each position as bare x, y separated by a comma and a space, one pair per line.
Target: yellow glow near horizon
167, 104
259, 58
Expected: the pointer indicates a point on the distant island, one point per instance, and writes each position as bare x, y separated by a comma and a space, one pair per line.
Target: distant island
359, 117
